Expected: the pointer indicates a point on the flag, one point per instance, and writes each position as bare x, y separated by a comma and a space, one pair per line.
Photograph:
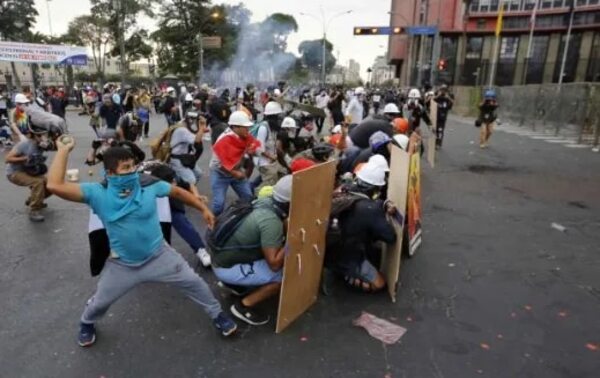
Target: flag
499, 21
230, 149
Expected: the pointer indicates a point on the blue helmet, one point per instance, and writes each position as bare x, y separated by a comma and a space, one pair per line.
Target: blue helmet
490, 94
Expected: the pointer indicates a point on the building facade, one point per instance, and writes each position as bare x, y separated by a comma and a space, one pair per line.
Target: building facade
462, 51
382, 71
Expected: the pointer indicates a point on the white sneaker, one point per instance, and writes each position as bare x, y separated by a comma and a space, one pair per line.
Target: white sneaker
204, 257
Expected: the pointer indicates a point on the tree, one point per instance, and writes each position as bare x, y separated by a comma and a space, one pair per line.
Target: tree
180, 24
121, 17
16, 19
279, 26
312, 54
92, 31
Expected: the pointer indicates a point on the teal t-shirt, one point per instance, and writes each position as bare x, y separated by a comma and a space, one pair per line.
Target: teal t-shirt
136, 236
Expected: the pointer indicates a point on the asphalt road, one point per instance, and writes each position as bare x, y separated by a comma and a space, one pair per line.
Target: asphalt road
494, 291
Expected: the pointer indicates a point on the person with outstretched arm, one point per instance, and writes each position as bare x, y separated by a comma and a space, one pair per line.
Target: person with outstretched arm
139, 253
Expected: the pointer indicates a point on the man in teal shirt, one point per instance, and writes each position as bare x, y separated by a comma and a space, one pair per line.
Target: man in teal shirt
138, 252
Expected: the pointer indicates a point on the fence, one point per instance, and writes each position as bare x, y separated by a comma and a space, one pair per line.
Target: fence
571, 111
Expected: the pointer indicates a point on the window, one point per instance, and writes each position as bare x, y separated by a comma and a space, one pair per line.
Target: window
474, 45
508, 47
484, 5
593, 71
448, 53
494, 5
558, 3
514, 5
581, 3
475, 6
545, 4
529, 4
572, 58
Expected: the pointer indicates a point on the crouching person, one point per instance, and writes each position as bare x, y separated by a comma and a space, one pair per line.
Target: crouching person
251, 259
358, 223
139, 253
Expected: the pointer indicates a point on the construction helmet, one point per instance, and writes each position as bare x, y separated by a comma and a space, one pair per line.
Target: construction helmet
414, 94
273, 108
378, 139
490, 94
239, 118
20, 98
372, 174
359, 91
288, 123
401, 141
400, 125
379, 161
391, 109
282, 191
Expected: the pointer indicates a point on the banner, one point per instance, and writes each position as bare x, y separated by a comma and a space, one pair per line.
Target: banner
414, 204
39, 53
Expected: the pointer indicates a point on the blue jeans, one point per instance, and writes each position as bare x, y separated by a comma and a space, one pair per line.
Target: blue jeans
257, 273
220, 182
186, 230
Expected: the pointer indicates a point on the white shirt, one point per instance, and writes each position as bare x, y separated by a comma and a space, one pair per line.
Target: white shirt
355, 110
322, 101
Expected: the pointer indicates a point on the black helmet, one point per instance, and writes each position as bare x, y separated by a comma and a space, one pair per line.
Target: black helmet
322, 151
35, 129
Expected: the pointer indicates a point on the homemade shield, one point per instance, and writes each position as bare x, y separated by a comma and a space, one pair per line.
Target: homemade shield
310, 207
433, 108
397, 192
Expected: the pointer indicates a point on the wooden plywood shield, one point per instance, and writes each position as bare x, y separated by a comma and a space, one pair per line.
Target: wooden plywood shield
433, 111
413, 207
310, 207
397, 192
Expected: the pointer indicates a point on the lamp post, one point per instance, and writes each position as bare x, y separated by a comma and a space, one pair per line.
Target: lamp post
119, 7
326, 23
49, 18
214, 15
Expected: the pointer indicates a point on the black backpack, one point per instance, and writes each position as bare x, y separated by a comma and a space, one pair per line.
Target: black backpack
340, 203
227, 223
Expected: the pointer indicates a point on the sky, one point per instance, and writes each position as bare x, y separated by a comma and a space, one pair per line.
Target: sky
364, 13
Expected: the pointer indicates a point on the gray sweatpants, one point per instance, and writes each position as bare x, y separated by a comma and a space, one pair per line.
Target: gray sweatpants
166, 266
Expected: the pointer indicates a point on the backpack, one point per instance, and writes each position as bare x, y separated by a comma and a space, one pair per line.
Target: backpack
227, 223
257, 125
161, 146
340, 204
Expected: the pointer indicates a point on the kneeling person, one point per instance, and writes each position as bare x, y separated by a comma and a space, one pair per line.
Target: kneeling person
252, 257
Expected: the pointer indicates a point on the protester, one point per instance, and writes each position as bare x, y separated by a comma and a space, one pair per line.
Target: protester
139, 252
26, 167
266, 134
251, 259
444, 104
355, 108
226, 164
487, 117
321, 102
110, 112
17, 118
186, 147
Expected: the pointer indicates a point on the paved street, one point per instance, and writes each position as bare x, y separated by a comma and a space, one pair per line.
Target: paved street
494, 291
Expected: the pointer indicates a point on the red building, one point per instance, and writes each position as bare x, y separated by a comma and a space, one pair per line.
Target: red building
462, 52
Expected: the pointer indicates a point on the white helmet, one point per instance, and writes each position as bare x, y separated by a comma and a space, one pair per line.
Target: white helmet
359, 91
372, 173
414, 93
170, 89
188, 97
288, 123
239, 118
401, 140
20, 98
272, 108
391, 109
337, 129
379, 161
277, 92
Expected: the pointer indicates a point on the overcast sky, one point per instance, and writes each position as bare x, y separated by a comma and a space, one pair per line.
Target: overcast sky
365, 13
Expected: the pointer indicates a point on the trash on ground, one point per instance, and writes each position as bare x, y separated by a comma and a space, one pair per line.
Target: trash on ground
380, 329
559, 227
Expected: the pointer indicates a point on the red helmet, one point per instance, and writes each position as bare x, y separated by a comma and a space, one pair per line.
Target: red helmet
400, 125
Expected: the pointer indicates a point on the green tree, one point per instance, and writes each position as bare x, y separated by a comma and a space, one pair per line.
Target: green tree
180, 24
312, 54
279, 26
94, 32
17, 17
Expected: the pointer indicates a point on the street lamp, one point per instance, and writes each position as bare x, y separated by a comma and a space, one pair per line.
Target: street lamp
326, 23
410, 45
49, 18
214, 15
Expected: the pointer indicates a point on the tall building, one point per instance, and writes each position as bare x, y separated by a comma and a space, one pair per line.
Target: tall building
463, 50
382, 71
353, 71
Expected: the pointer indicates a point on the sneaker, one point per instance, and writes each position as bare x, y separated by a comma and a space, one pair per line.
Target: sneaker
225, 324
87, 335
248, 315
239, 291
204, 257
28, 201
36, 216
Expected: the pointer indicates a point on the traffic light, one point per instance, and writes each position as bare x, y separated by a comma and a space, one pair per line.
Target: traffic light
442, 65
377, 30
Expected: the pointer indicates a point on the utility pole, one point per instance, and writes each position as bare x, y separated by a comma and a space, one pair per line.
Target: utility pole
425, 7
49, 17
121, 27
324, 57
